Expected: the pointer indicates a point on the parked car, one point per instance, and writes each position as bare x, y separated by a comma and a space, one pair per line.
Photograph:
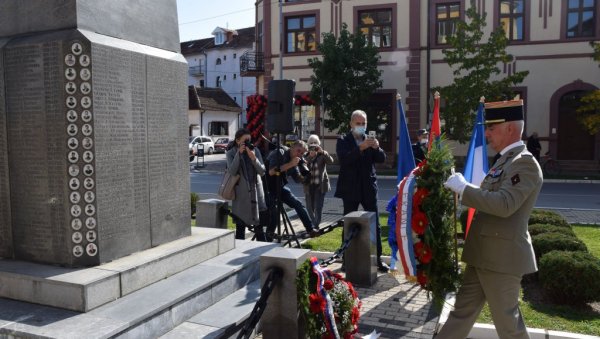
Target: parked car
209, 145
221, 144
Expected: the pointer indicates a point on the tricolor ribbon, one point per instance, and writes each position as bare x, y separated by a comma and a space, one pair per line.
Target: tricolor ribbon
328, 311
404, 238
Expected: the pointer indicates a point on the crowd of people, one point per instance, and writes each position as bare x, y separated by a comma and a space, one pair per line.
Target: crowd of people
503, 200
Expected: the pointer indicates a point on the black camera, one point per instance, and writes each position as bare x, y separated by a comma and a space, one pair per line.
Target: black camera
249, 145
302, 166
313, 148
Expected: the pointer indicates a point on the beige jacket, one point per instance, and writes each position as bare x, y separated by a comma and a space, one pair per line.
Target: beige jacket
498, 239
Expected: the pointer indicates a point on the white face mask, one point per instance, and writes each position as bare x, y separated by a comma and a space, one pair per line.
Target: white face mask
423, 140
359, 130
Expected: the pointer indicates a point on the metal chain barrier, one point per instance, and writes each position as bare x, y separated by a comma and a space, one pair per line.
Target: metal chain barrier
272, 280
340, 251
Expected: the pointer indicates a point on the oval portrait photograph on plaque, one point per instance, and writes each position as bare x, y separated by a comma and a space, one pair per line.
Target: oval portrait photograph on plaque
78, 251
90, 223
76, 224
73, 170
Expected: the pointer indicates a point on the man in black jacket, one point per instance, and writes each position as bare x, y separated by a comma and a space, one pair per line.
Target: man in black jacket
357, 181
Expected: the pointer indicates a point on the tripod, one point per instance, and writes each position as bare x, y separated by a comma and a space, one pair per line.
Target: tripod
288, 230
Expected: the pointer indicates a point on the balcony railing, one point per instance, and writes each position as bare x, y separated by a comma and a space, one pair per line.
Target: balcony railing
252, 63
195, 71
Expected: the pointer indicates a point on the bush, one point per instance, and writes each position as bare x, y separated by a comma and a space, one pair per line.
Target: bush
546, 242
570, 277
536, 229
547, 217
194, 199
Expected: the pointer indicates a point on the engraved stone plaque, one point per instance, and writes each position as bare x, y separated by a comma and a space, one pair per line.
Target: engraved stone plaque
5, 216
82, 110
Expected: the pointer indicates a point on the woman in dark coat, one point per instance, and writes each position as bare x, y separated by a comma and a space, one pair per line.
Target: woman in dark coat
245, 160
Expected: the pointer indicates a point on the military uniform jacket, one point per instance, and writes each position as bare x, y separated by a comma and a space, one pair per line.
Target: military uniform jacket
498, 239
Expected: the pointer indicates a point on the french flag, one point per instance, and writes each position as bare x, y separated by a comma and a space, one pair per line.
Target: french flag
476, 166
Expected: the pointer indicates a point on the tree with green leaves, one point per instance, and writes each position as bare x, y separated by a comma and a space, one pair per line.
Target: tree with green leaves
475, 65
589, 111
344, 77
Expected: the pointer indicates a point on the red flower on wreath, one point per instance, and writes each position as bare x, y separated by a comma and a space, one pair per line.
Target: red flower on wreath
423, 252
421, 167
422, 278
419, 222
328, 284
419, 196
317, 303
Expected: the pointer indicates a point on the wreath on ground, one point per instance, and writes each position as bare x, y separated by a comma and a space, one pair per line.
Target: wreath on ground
327, 303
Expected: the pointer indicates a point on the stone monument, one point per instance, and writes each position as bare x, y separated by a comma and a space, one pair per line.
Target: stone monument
93, 156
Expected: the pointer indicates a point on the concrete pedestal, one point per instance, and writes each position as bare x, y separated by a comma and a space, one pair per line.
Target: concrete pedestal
209, 213
280, 319
361, 255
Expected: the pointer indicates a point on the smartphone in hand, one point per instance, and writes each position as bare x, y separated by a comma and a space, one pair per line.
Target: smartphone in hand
372, 135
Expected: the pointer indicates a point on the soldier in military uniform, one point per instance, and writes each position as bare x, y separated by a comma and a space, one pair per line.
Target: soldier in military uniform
498, 249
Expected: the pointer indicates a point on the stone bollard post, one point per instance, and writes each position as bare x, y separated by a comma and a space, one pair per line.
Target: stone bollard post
280, 319
209, 213
361, 256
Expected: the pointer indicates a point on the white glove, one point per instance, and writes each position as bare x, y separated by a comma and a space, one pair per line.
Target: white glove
456, 183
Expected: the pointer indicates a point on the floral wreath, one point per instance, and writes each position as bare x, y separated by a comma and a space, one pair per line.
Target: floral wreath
255, 115
329, 304
303, 100
421, 218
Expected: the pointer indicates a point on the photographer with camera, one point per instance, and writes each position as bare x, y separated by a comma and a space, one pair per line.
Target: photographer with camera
283, 162
245, 160
316, 184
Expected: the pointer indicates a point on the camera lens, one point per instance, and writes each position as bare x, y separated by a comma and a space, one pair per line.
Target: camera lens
249, 144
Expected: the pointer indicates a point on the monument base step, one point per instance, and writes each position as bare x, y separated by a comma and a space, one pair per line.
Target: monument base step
146, 313
83, 289
214, 321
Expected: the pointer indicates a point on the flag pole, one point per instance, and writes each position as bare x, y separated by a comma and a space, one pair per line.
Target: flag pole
455, 233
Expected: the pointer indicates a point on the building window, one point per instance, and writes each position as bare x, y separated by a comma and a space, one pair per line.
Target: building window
581, 21
218, 128
218, 81
235, 99
201, 83
224, 57
301, 34
234, 55
512, 18
218, 61
446, 16
219, 38
224, 77
234, 76
376, 25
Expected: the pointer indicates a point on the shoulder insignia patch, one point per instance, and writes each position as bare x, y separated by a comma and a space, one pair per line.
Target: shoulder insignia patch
515, 179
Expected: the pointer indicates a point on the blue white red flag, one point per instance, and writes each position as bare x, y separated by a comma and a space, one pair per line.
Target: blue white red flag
476, 165
406, 159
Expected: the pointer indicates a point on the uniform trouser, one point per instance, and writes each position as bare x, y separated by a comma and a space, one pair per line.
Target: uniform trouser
314, 204
500, 290
369, 206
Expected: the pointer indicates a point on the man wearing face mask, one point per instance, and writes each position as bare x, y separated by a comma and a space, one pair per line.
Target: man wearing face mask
357, 181
420, 146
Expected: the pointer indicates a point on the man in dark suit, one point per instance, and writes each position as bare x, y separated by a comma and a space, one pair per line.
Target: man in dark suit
419, 148
498, 249
357, 181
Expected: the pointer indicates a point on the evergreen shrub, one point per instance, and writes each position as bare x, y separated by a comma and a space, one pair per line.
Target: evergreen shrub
547, 242
570, 277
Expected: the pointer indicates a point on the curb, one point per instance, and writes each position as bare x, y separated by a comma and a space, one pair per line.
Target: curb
488, 331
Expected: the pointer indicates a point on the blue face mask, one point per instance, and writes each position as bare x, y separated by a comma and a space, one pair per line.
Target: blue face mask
359, 130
